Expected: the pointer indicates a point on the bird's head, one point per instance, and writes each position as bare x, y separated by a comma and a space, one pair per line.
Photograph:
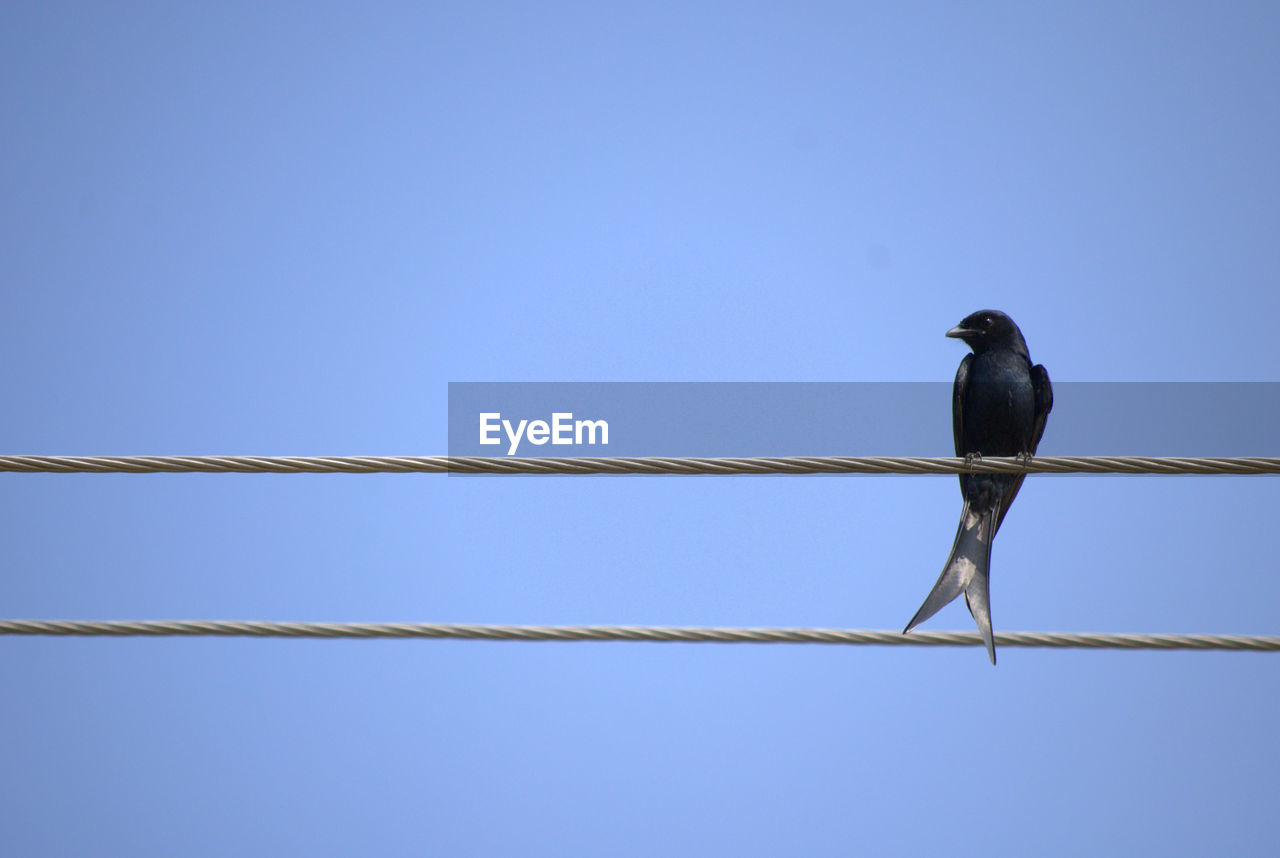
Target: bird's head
987, 329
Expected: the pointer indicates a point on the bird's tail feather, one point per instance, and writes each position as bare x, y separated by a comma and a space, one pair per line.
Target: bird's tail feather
965, 572
978, 597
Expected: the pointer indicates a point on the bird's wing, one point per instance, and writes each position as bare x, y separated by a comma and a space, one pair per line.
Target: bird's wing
957, 403
958, 391
1044, 404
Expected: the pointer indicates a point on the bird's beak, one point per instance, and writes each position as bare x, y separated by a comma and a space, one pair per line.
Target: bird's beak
958, 332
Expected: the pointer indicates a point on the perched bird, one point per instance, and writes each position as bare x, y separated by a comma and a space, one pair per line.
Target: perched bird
999, 406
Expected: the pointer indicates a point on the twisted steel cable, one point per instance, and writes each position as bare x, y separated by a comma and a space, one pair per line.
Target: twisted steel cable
796, 465
681, 466
650, 634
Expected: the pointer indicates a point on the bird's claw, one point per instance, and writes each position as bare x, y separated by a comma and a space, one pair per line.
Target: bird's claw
1024, 458
970, 459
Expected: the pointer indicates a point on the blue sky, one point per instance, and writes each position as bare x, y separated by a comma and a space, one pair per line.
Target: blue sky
284, 228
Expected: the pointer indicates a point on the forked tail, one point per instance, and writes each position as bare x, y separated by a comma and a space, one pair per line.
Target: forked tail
966, 571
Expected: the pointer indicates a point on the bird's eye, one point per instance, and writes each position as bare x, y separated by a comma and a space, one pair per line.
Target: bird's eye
986, 321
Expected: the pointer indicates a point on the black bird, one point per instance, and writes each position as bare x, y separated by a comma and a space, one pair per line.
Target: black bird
999, 406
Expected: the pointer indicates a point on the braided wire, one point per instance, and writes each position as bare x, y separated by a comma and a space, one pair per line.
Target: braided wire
636, 465
651, 634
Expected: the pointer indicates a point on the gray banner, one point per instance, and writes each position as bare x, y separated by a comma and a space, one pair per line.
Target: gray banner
846, 419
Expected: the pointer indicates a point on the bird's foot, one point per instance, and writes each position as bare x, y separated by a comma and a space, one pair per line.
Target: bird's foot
970, 459
1024, 458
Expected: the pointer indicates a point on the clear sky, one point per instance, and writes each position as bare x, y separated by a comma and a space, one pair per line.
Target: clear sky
276, 228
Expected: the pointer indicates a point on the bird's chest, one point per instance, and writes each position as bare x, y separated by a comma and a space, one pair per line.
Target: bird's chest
999, 406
